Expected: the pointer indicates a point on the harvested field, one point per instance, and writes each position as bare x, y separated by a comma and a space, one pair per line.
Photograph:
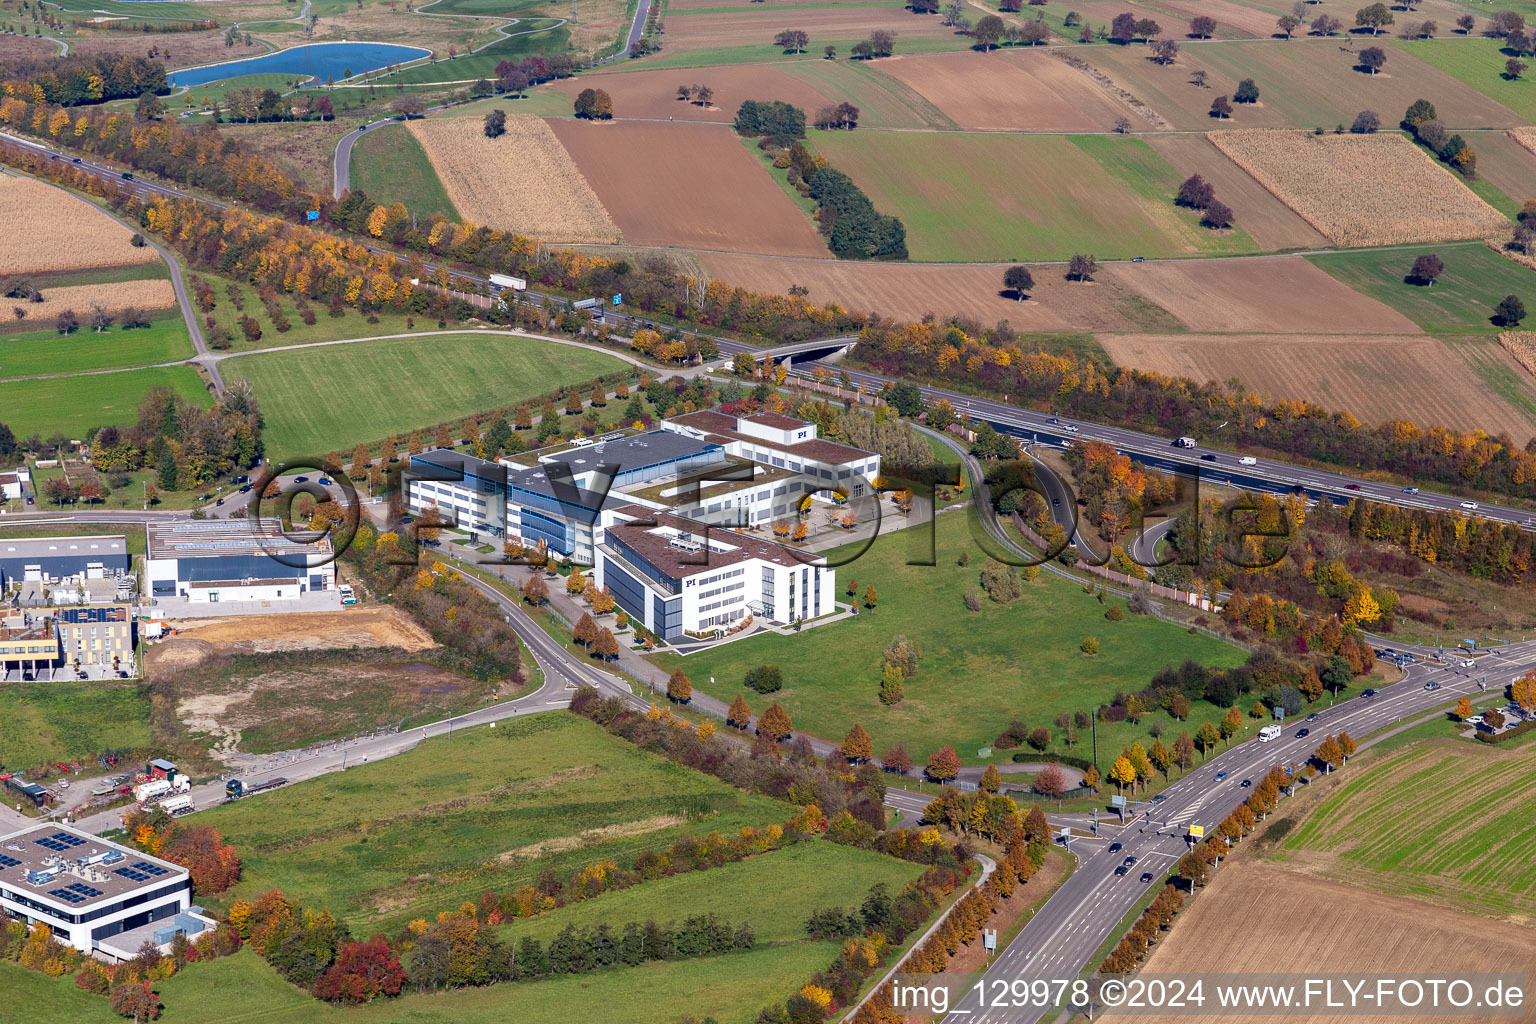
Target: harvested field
908, 292
22, 46
288, 631
653, 94
1270, 223
1362, 189
48, 229
1375, 377
1283, 294
711, 29
1508, 162
883, 100
1233, 20
524, 181
1525, 136
146, 295
1302, 83
1023, 90
1362, 933
1521, 345
305, 149
687, 185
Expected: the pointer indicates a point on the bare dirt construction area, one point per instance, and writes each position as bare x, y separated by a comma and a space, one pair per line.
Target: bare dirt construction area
1362, 189
1255, 918
524, 181
710, 28
1375, 377
1010, 90
1283, 294
909, 292
289, 631
653, 94
1270, 223
687, 186
114, 297
48, 229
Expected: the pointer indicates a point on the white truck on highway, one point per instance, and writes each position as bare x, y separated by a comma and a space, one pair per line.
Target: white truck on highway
501, 282
146, 791
1185, 442
1269, 732
177, 805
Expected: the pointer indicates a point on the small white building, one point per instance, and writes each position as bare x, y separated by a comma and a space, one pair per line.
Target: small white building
91, 892
677, 578
13, 483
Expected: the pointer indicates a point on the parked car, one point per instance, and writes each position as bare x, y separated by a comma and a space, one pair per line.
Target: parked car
1302, 733
1476, 720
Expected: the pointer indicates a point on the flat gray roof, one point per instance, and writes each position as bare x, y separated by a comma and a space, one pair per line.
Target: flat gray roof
73, 884
222, 538
636, 451
54, 547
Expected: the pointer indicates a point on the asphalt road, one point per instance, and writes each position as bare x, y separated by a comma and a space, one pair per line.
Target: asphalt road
1058, 941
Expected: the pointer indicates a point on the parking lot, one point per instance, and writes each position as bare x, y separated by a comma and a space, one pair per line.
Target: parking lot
66, 673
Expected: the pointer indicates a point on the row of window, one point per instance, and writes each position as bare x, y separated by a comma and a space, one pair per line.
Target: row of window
738, 585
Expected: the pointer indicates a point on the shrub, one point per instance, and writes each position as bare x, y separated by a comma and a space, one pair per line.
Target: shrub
765, 678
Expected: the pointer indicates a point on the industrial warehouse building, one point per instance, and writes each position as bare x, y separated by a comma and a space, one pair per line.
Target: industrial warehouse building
95, 895
677, 579
62, 563
224, 560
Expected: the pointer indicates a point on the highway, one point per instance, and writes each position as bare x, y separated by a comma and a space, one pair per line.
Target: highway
1058, 941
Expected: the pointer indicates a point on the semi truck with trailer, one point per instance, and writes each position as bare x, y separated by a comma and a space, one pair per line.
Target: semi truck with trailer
177, 805
234, 789
146, 791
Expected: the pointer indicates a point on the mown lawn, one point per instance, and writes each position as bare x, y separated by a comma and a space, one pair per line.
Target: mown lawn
329, 398
62, 721
981, 197
978, 670
389, 164
483, 64
43, 350
394, 840
1461, 300
73, 405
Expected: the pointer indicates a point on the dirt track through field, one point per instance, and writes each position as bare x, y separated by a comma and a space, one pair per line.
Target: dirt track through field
1256, 918
523, 181
689, 185
1375, 377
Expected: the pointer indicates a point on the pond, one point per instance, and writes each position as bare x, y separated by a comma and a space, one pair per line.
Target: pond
317, 60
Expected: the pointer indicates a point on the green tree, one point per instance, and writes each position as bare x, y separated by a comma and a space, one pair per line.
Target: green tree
1207, 736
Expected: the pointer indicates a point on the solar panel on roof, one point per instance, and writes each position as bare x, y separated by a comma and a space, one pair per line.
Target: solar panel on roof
8, 862
154, 869
50, 843
88, 891
66, 895
130, 874
67, 839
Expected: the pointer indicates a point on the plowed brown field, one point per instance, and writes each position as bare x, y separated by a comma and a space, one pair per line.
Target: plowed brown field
1016, 89
653, 94
524, 181
1280, 293
1270, 223
1375, 377
687, 185
1362, 189
1256, 918
48, 229
908, 292
758, 26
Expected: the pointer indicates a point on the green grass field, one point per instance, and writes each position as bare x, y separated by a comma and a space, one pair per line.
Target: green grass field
483, 64
1461, 300
58, 721
407, 852
389, 164
882, 99
37, 352
1000, 197
214, 92
73, 405
1478, 62
1391, 827
242, 989
766, 53
330, 398
978, 671
819, 874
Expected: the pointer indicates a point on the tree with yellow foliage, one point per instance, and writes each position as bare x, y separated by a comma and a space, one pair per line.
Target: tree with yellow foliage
1122, 773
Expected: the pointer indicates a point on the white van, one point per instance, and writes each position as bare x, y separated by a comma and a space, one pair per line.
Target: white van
1269, 732
1248, 460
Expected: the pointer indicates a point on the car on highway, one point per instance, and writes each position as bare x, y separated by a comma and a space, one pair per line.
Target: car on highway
1370, 693
1247, 784
1159, 798
1207, 458
1410, 490
219, 502
1146, 876
1069, 428
1053, 419
127, 175
1302, 733
1121, 870
246, 488
75, 160
1129, 862
1431, 685
1219, 776
1351, 487
1470, 506
1248, 460
1115, 848
1055, 502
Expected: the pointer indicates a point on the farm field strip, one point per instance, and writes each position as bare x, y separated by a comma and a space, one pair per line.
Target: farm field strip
1478, 63
1460, 301
1362, 189
147, 296
41, 353
523, 181
73, 405
35, 216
